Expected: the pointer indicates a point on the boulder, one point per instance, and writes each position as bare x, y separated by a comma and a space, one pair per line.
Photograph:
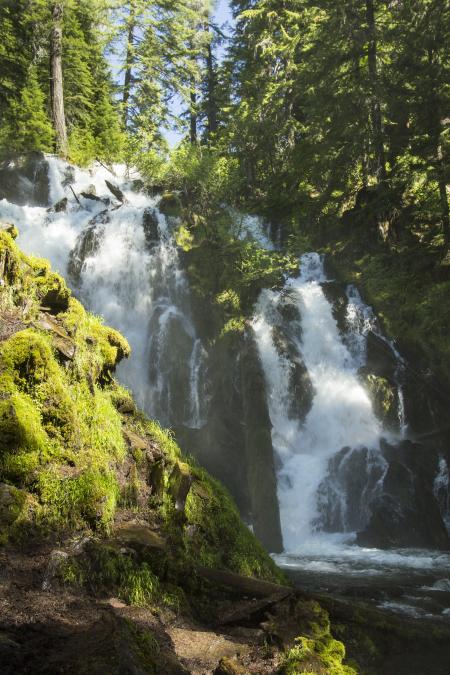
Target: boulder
87, 244
134, 441
384, 397
381, 359
406, 514
150, 225
116, 191
24, 180
92, 196
336, 295
60, 206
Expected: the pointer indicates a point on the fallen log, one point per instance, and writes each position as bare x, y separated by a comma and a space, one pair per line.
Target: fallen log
256, 588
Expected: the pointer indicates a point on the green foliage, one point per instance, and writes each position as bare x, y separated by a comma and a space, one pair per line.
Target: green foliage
29, 126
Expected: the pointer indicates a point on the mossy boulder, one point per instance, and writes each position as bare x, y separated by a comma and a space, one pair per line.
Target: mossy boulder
170, 204
384, 397
15, 507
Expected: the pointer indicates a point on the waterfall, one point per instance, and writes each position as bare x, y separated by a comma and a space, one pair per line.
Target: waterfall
339, 425
122, 262
441, 490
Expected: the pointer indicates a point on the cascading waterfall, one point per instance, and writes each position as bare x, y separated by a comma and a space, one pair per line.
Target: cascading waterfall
123, 264
441, 489
341, 414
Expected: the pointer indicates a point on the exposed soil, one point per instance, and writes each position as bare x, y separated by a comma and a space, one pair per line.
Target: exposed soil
46, 627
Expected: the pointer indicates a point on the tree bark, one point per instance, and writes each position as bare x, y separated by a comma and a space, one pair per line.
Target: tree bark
129, 62
56, 79
193, 114
211, 84
377, 126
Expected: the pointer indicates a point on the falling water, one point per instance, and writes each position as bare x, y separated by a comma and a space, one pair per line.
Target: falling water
128, 275
441, 489
341, 415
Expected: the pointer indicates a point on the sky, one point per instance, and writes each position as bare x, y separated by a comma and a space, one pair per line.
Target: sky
222, 15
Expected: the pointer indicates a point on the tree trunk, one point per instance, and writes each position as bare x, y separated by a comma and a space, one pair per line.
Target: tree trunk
211, 84
56, 79
193, 114
129, 62
377, 127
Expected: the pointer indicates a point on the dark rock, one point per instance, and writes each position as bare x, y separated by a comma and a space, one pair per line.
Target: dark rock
87, 244
300, 385
60, 206
384, 397
116, 191
288, 308
92, 196
150, 225
406, 514
262, 483
355, 473
336, 295
381, 360
56, 561
24, 180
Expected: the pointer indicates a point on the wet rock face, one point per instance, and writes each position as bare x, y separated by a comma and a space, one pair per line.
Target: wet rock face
406, 513
220, 445
87, 244
384, 397
381, 360
262, 483
150, 225
346, 493
300, 385
24, 180
337, 297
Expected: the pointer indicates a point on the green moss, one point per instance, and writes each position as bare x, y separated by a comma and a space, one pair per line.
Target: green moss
384, 399
212, 533
105, 569
310, 655
16, 507
87, 499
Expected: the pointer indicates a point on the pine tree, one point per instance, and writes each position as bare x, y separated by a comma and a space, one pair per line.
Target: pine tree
30, 125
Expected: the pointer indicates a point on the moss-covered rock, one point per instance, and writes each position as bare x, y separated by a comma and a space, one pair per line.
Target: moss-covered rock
384, 397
